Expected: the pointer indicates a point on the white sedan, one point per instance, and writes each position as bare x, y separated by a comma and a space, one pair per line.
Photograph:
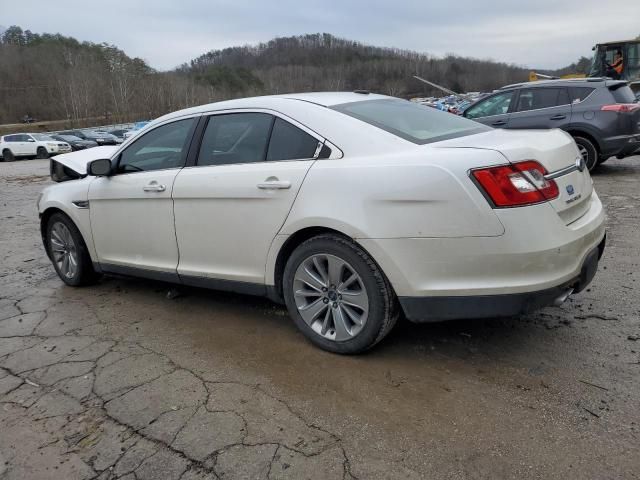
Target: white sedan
37, 145
350, 208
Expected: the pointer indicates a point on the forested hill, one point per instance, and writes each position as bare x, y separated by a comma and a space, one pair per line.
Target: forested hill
51, 76
324, 62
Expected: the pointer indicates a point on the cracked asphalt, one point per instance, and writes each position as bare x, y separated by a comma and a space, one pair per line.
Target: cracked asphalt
118, 381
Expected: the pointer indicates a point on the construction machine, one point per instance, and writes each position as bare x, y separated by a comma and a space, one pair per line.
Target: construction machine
602, 60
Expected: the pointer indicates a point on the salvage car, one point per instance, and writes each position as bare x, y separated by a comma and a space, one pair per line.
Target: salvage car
601, 114
36, 145
76, 142
350, 208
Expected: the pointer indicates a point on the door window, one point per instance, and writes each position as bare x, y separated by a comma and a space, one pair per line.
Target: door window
289, 142
235, 138
578, 94
161, 148
12, 138
495, 105
537, 98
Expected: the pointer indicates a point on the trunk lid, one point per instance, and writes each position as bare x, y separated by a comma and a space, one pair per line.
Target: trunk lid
554, 149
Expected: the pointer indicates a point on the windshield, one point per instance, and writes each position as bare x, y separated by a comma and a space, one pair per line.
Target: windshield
411, 121
70, 138
41, 137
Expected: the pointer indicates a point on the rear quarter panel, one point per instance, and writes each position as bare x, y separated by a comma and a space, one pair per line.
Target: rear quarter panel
422, 193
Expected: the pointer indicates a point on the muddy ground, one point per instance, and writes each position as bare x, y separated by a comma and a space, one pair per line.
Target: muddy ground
119, 381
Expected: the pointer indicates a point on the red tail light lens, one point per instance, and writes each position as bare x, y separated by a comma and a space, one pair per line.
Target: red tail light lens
516, 185
621, 107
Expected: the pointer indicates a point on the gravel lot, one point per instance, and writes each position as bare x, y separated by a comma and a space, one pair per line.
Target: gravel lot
118, 381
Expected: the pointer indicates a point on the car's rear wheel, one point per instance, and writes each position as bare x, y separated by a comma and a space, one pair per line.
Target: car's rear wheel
337, 295
42, 153
68, 252
588, 151
7, 155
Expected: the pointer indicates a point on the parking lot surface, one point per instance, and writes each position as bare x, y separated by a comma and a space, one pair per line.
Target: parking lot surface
121, 380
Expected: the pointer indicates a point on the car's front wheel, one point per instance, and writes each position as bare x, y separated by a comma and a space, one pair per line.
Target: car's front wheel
68, 252
337, 295
588, 151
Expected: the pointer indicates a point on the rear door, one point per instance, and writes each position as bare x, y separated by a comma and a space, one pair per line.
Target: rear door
541, 107
232, 203
494, 110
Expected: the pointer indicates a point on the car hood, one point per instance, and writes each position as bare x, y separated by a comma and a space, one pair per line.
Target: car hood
77, 161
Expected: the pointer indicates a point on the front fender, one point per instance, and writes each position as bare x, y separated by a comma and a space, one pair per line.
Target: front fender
60, 197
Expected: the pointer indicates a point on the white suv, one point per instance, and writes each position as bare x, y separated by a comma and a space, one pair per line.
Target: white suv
36, 145
349, 207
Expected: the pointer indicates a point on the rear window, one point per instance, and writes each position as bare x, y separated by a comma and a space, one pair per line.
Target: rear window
623, 94
413, 122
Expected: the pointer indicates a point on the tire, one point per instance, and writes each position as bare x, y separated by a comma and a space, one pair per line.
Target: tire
64, 239
7, 155
588, 150
42, 153
324, 306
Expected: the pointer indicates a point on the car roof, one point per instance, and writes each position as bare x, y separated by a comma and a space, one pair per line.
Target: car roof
324, 99
564, 82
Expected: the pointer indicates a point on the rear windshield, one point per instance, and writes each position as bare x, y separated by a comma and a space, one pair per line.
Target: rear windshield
623, 94
413, 122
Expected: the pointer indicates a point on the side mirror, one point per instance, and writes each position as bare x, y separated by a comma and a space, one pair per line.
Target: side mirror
99, 168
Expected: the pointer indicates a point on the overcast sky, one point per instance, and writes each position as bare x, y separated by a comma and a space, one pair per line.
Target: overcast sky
166, 33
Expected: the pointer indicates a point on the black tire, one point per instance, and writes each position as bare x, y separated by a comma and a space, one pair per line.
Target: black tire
7, 155
592, 151
42, 153
84, 274
383, 308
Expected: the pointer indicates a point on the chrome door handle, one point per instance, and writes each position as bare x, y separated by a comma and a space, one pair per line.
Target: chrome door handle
274, 185
154, 187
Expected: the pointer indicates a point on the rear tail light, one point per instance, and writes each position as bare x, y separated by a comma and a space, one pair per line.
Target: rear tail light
516, 185
621, 107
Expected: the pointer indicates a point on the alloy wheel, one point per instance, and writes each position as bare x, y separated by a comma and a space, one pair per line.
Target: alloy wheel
584, 153
331, 297
64, 250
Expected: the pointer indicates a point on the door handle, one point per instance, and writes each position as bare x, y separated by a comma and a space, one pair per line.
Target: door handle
558, 117
499, 122
274, 184
154, 187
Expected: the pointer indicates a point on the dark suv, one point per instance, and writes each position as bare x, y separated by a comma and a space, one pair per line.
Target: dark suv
602, 115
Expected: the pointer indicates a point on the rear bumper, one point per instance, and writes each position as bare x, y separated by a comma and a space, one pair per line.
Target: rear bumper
434, 309
622, 145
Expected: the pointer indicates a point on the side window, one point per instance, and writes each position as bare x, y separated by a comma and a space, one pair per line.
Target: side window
537, 98
289, 142
495, 105
235, 138
28, 138
578, 94
161, 148
11, 138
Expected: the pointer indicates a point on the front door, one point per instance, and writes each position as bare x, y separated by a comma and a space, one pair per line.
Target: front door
493, 110
230, 206
132, 211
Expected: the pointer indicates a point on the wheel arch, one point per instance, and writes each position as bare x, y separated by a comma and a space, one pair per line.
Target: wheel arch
47, 213
296, 239
578, 132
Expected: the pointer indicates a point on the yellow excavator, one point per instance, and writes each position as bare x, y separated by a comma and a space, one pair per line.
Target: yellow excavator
602, 60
